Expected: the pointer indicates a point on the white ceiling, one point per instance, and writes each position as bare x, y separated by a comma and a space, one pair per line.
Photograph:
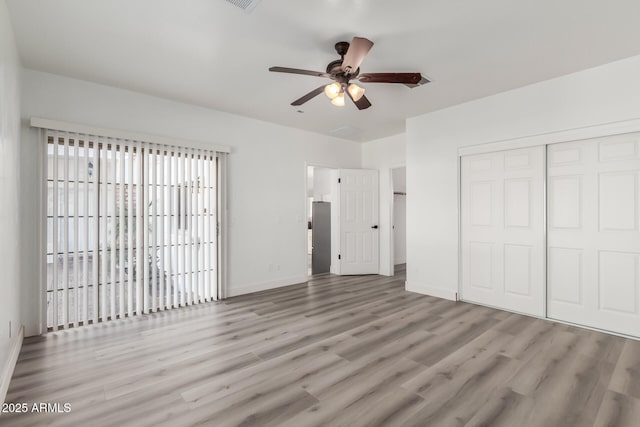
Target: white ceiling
211, 53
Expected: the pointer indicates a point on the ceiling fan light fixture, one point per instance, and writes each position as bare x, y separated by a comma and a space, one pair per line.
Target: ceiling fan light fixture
338, 101
355, 91
345, 69
332, 90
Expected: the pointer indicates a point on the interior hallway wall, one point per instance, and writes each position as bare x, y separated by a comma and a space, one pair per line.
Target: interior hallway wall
384, 155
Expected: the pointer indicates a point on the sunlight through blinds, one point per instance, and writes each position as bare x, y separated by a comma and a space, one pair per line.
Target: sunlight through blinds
131, 228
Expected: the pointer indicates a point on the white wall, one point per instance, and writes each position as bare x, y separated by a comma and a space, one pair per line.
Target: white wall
604, 94
399, 176
385, 154
267, 218
400, 229
9, 189
310, 181
322, 185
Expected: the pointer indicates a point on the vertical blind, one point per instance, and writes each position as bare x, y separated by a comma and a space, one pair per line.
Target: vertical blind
131, 228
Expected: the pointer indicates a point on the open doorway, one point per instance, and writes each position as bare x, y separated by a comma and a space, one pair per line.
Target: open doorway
399, 183
319, 199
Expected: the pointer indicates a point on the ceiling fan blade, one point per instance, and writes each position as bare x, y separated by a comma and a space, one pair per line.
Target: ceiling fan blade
358, 49
423, 81
404, 78
309, 96
362, 103
298, 71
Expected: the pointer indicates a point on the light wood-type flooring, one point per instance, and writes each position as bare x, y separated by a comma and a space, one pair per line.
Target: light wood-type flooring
336, 351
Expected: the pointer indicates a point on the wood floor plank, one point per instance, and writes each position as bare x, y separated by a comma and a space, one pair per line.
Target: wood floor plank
460, 365
626, 375
335, 351
343, 401
455, 401
506, 408
391, 409
618, 410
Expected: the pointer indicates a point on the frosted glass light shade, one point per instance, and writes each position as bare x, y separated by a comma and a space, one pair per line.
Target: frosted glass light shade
332, 90
338, 100
355, 91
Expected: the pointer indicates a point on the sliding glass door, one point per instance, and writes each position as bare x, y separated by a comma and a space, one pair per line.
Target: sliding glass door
131, 228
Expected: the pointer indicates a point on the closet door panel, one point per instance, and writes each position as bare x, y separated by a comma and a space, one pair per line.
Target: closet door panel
593, 234
503, 255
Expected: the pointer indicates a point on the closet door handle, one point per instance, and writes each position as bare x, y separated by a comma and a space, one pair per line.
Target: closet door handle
374, 226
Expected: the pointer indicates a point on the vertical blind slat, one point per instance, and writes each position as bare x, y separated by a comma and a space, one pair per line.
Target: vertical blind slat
130, 229
154, 227
96, 229
174, 220
209, 226
55, 236
203, 226
121, 230
114, 241
167, 232
139, 229
145, 246
196, 223
85, 236
76, 269
205, 238
65, 233
201, 221
213, 233
183, 234
160, 233
189, 227
104, 258
212, 257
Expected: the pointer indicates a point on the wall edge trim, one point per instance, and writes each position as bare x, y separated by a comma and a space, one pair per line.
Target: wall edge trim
7, 371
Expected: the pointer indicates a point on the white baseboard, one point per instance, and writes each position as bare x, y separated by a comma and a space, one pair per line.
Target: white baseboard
263, 286
7, 370
434, 292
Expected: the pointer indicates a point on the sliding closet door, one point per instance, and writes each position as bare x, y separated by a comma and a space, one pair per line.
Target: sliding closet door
593, 234
503, 252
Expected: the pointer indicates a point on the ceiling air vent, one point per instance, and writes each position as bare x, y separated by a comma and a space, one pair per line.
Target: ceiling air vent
246, 5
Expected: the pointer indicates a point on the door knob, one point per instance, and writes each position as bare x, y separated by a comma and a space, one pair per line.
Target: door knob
374, 226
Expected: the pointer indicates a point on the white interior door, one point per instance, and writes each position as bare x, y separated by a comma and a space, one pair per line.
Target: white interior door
503, 250
593, 234
359, 232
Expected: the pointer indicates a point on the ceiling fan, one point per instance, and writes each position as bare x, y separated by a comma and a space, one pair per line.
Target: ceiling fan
347, 68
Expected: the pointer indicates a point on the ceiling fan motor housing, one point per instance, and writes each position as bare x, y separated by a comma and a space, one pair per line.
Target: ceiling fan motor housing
335, 67
337, 73
342, 48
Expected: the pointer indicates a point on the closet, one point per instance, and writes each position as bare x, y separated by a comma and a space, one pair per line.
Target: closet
554, 231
